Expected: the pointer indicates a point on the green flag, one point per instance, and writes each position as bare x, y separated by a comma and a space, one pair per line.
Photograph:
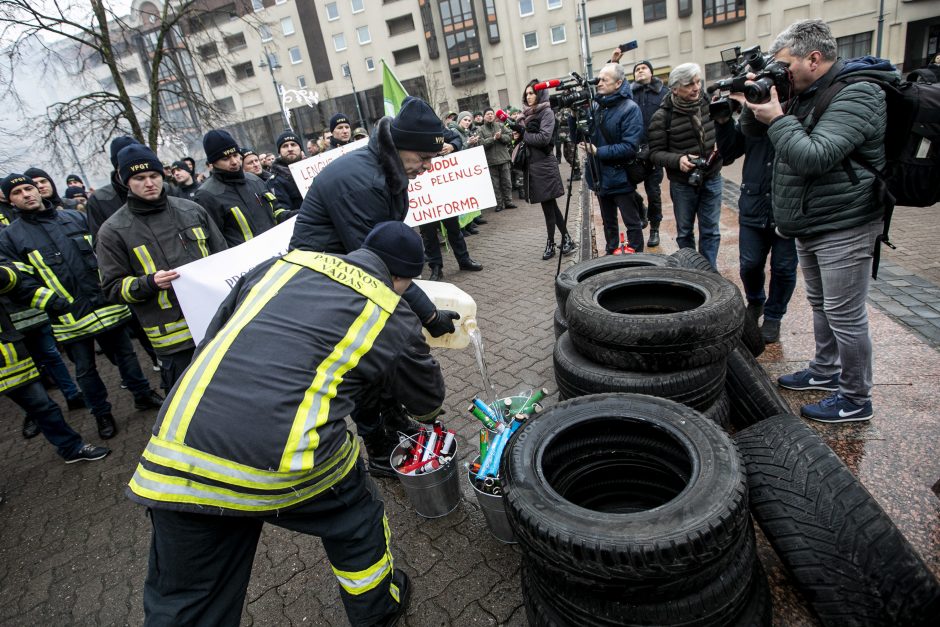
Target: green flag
392, 90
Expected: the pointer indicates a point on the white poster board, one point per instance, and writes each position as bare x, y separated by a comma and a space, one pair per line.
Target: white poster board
305, 171
456, 183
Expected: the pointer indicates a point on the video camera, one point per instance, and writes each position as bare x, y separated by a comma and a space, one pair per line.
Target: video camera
768, 73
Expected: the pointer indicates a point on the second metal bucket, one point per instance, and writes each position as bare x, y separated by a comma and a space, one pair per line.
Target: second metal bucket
494, 510
433, 494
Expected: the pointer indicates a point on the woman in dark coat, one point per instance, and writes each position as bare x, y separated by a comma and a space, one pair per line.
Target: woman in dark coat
542, 180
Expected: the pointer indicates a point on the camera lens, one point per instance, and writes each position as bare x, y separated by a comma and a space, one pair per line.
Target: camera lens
758, 91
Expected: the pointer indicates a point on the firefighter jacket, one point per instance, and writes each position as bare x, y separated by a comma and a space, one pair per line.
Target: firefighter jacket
24, 318
104, 202
53, 247
16, 366
240, 204
143, 237
325, 330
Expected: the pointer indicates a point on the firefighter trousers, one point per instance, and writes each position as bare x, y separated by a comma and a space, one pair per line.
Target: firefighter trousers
200, 564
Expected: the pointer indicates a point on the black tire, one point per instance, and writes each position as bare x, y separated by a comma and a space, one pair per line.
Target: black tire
717, 601
674, 524
720, 411
575, 376
571, 276
560, 324
844, 553
750, 331
654, 319
753, 395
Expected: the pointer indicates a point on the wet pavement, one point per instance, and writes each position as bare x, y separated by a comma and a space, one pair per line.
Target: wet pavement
73, 550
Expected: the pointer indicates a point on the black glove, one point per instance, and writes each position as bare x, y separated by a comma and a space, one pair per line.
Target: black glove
57, 305
516, 127
442, 322
533, 126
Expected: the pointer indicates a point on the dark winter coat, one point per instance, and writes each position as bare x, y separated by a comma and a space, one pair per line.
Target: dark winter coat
648, 97
187, 192
353, 194
283, 186
497, 150
242, 208
748, 137
812, 192
666, 149
541, 180
622, 123
104, 202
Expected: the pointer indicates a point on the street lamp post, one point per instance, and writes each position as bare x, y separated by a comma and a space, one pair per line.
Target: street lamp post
272, 64
348, 75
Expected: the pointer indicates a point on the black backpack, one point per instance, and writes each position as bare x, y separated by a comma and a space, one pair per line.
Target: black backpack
912, 145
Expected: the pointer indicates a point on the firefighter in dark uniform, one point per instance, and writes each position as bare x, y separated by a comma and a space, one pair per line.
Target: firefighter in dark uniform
238, 201
108, 199
282, 183
53, 249
227, 456
19, 379
139, 246
350, 196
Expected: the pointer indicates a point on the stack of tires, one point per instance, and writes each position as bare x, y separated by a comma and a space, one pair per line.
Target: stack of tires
632, 510
648, 328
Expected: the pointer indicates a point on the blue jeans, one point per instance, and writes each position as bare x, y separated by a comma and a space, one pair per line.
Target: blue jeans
703, 201
117, 347
41, 346
34, 399
754, 244
836, 269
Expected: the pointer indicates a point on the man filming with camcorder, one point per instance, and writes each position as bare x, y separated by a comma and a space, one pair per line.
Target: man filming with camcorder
682, 139
618, 129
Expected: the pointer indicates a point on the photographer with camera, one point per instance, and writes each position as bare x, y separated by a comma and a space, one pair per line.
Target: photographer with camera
826, 195
615, 139
542, 180
757, 235
682, 139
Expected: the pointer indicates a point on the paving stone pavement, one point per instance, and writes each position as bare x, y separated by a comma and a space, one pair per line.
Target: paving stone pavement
73, 549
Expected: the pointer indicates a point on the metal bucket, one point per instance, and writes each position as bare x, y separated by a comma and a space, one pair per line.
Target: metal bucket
433, 494
494, 509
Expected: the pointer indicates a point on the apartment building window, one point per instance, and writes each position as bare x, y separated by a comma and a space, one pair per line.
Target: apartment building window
407, 55
280, 1
265, 33
226, 105
854, 46
257, 5
526, 7
243, 70
287, 25
217, 78
718, 12
558, 34
685, 8
430, 34
654, 10
235, 42
399, 25
362, 33
131, 76
332, 11
357, 6
339, 42
553, 4
530, 41
370, 64
208, 51
611, 22
294, 53
462, 41
302, 82
492, 27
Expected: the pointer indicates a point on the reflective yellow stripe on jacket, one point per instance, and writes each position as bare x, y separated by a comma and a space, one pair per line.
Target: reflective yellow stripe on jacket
146, 262
201, 240
169, 334
242, 223
66, 327
15, 371
47, 275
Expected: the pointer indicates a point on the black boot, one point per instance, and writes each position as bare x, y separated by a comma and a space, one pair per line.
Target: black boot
654, 237
30, 428
379, 446
567, 246
549, 250
106, 427
437, 273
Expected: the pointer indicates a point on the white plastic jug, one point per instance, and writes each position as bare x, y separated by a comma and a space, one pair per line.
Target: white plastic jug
449, 296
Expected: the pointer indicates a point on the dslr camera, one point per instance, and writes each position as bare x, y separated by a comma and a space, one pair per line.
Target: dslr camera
701, 165
768, 73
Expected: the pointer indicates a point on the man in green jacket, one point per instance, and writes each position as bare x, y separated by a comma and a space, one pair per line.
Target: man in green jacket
824, 197
496, 140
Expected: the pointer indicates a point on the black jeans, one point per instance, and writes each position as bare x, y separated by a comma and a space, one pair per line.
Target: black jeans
630, 213
200, 564
654, 197
432, 247
35, 401
117, 347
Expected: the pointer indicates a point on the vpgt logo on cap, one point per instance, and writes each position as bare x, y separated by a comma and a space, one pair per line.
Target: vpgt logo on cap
140, 167
229, 151
342, 121
18, 180
438, 140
